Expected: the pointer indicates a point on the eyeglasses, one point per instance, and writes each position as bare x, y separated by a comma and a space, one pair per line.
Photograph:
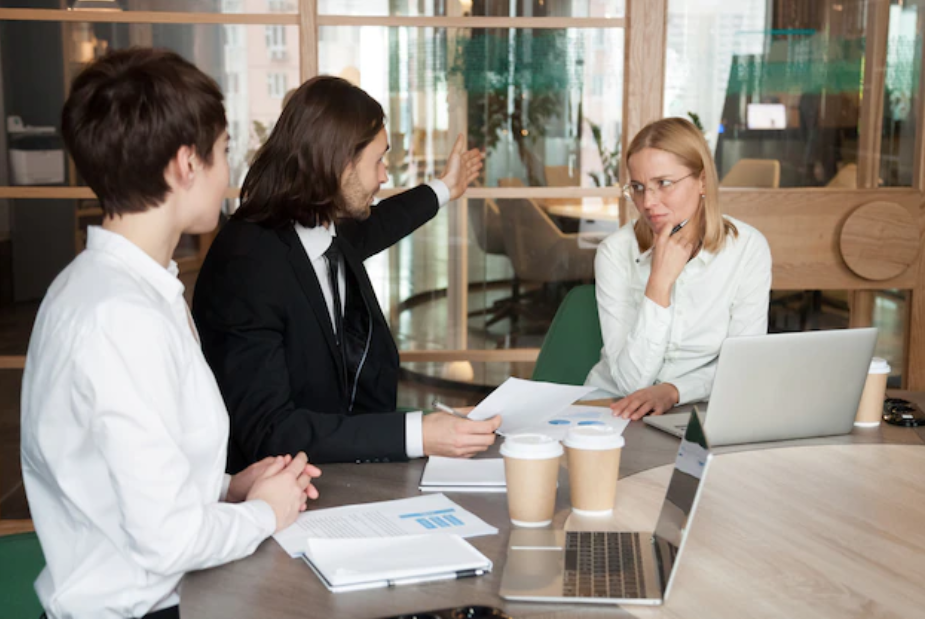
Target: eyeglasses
637, 191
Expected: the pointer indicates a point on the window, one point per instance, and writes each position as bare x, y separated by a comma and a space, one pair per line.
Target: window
279, 6
276, 85
232, 84
276, 42
232, 35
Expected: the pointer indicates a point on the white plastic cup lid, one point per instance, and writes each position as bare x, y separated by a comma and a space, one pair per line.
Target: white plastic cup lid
879, 366
531, 447
594, 438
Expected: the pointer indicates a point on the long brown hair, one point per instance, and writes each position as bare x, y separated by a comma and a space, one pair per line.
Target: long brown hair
682, 139
296, 174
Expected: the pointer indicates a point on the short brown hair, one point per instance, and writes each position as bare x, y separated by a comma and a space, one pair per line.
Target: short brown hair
296, 175
682, 139
127, 116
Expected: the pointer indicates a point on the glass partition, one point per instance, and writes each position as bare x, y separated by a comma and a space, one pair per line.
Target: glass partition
521, 8
177, 6
776, 84
902, 92
254, 65
536, 101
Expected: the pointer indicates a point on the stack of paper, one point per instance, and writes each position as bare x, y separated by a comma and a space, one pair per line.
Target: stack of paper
431, 514
358, 564
463, 475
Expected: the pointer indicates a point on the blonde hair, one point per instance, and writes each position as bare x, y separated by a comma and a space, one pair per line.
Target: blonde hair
682, 139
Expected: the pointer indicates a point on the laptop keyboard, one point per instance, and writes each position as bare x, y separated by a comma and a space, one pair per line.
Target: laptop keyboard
603, 565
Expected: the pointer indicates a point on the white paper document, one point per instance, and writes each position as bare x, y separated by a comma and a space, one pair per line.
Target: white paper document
359, 564
558, 425
524, 403
426, 514
463, 475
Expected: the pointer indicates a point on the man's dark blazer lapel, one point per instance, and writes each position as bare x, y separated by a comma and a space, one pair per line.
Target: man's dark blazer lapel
305, 273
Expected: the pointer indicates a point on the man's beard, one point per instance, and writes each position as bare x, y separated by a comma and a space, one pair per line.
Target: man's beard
356, 200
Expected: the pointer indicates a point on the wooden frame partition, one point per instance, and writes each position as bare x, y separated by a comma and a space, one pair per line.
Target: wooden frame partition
803, 226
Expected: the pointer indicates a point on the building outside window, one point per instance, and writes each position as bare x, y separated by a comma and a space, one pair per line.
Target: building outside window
276, 85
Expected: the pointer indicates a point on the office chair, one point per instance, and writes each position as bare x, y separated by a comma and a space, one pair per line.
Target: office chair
573, 343
486, 225
541, 253
21, 560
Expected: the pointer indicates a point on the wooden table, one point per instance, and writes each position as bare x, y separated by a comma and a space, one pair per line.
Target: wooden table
831, 525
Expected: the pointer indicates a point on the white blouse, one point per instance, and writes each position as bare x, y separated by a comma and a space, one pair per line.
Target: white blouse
716, 296
124, 438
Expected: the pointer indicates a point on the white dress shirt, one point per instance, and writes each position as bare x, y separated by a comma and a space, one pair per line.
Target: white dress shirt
316, 241
716, 296
124, 437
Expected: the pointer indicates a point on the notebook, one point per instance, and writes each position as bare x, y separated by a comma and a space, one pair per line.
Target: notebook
372, 563
463, 475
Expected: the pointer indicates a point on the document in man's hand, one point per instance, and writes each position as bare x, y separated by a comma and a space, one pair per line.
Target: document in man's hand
523, 403
578, 415
364, 563
463, 475
429, 514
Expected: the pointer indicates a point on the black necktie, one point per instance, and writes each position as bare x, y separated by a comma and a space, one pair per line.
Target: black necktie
334, 256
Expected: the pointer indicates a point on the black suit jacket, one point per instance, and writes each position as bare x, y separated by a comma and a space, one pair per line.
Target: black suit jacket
267, 334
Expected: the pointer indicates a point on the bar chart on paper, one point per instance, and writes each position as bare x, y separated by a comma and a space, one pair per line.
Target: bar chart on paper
439, 519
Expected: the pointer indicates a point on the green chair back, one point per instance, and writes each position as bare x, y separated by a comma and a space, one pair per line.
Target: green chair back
573, 343
21, 560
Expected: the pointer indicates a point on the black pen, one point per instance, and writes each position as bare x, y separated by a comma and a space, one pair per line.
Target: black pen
674, 231
677, 228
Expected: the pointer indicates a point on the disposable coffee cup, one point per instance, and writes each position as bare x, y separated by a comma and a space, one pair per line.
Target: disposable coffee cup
870, 410
593, 468
531, 467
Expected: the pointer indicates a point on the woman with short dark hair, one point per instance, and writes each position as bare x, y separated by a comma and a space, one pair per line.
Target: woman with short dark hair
124, 433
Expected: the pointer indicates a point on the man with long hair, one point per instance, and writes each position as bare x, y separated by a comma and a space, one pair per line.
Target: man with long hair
288, 318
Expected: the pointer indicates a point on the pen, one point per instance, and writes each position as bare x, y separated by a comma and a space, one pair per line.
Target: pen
436, 577
677, 228
397, 582
440, 406
674, 231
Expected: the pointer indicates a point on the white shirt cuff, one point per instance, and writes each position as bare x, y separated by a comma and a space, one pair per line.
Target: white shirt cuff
414, 434
263, 516
226, 482
443, 195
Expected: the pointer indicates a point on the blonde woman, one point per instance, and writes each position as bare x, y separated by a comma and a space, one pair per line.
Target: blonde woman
675, 283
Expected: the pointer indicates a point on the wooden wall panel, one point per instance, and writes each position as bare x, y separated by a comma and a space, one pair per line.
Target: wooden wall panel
644, 65
803, 227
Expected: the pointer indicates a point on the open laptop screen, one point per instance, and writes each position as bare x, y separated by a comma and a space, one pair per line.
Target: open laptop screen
680, 500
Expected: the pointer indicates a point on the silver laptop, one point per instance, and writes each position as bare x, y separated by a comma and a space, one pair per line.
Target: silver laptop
784, 386
610, 567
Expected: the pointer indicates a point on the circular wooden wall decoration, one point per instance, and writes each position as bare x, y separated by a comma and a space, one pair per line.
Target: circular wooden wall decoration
879, 240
